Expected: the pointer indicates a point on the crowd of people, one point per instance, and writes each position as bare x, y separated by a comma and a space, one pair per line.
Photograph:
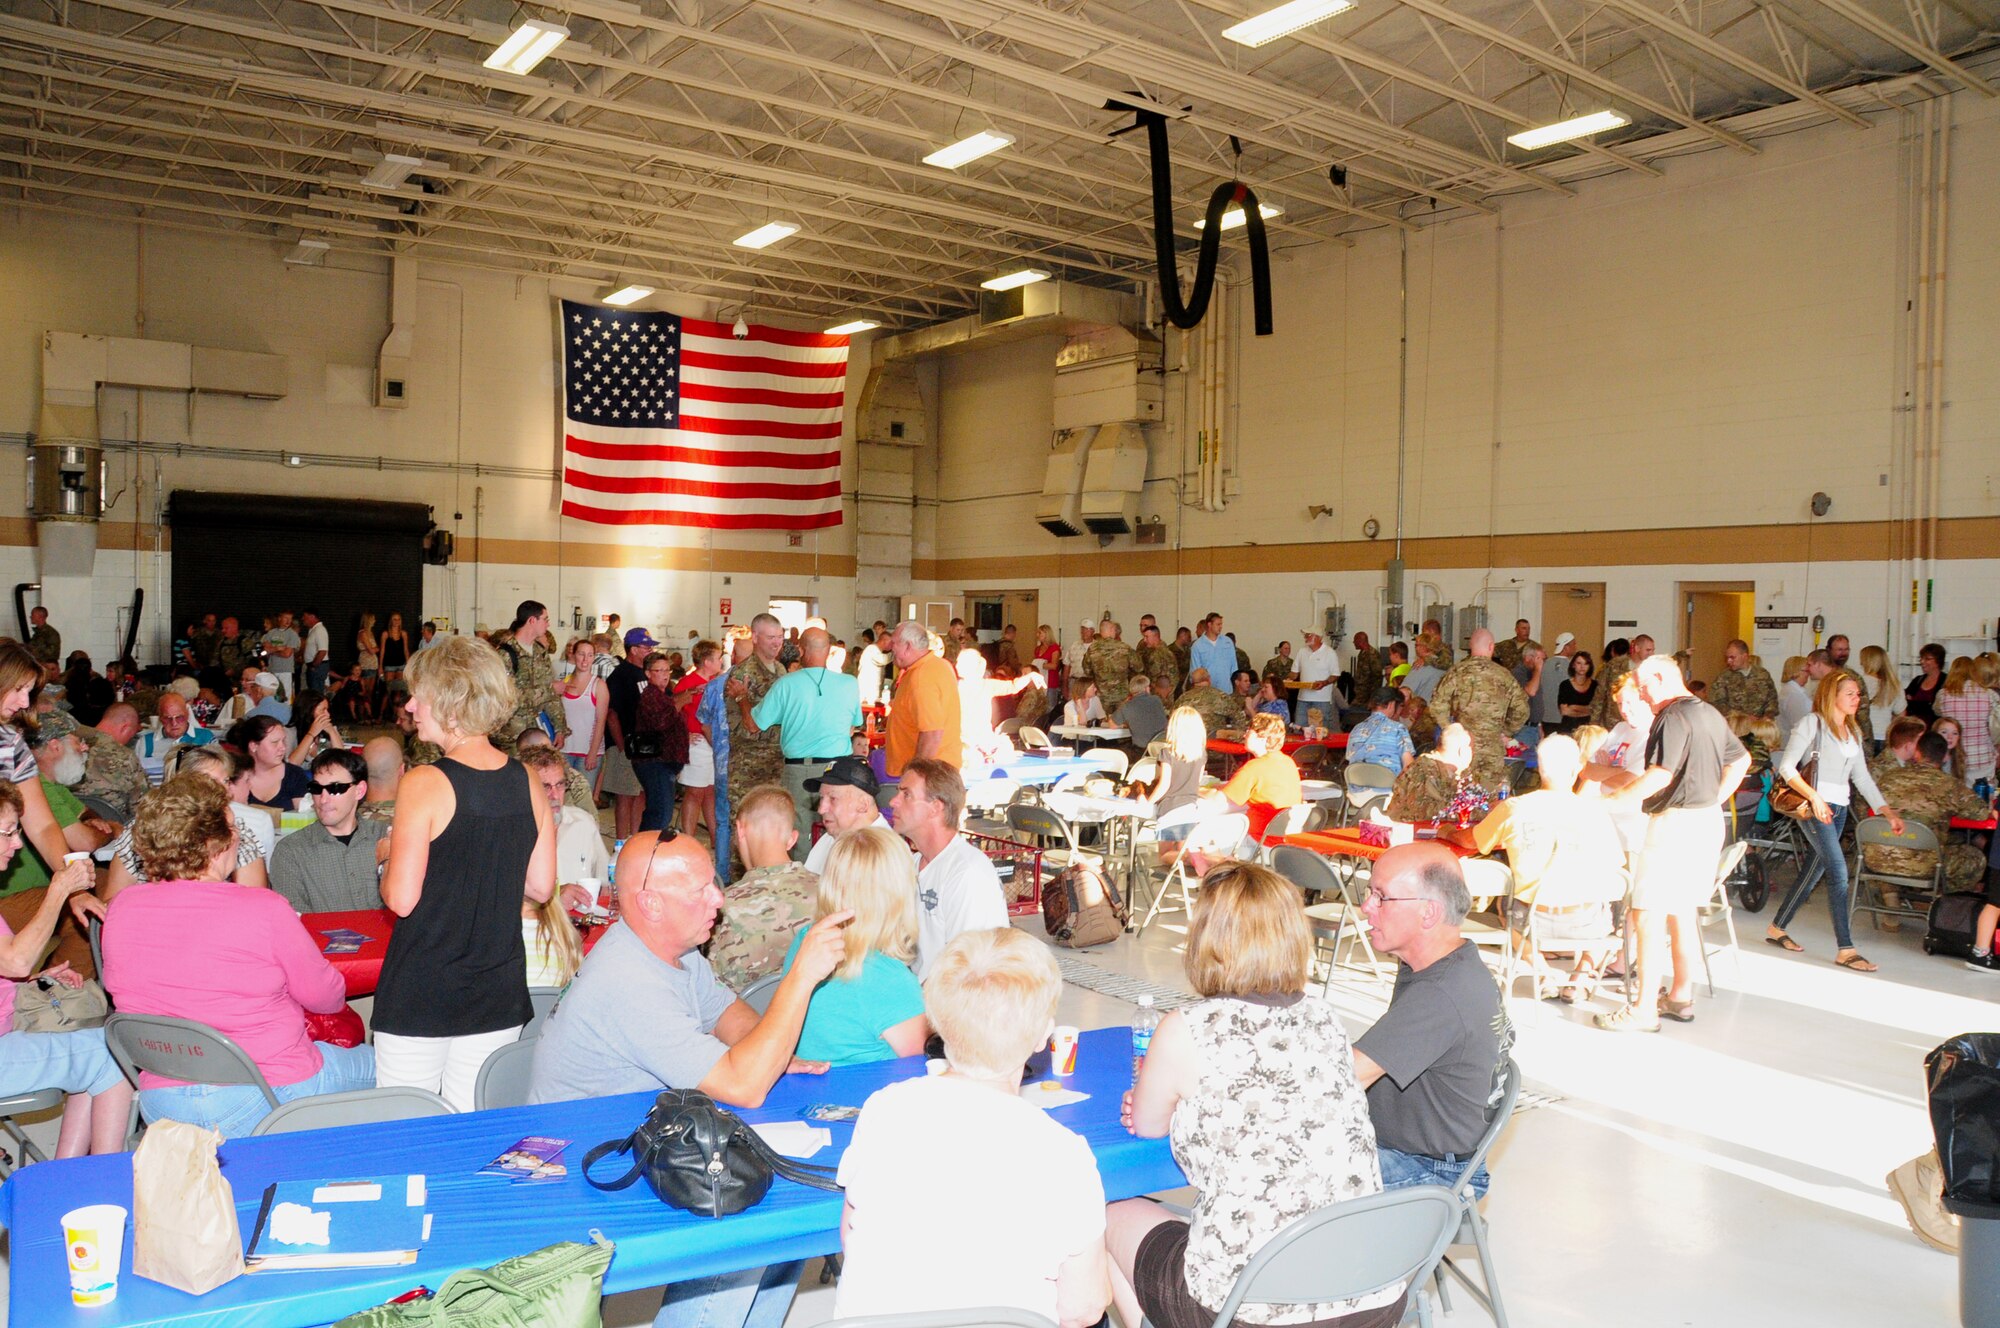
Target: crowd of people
756, 836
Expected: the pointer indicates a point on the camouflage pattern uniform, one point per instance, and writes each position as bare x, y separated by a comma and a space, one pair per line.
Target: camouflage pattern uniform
534, 692
384, 811
1218, 709
1032, 706
760, 915
1160, 661
1507, 654
233, 655
1422, 792
111, 774
1111, 665
576, 789
1276, 669
1441, 653
45, 644
203, 641
1927, 794
417, 752
1881, 764
1603, 702
1744, 691
1183, 662
1862, 719
754, 758
1242, 662
1367, 674
1485, 699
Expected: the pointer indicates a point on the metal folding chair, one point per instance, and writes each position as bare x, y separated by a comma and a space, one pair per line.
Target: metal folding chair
758, 994
180, 1049
1335, 917
364, 1106
1367, 785
544, 1000
1290, 821
1874, 832
1031, 738
1719, 908
1485, 878
1218, 836
1111, 760
503, 1078
1471, 1226
25, 1104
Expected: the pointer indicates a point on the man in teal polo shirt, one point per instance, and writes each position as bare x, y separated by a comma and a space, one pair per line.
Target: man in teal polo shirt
816, 711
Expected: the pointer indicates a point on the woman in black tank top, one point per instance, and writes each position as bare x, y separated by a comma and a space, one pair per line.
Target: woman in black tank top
471, 838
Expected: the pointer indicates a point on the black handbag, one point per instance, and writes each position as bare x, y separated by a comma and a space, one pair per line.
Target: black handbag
702, 1158
646, 745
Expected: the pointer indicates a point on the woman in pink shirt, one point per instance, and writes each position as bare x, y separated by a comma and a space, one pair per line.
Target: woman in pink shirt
186, 944
77, 1062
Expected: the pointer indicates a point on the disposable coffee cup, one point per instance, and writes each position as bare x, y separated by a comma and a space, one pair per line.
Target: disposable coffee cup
95, 1239
936, 1066
1062, 1050
68, 858
595, 888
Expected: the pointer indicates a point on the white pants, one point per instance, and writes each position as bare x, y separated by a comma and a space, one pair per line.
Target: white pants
448, 1067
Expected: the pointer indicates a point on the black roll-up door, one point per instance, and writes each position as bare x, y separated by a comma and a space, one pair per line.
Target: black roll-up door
254, 555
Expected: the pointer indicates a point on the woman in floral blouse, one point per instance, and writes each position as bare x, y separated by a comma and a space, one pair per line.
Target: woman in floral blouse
1255, 1085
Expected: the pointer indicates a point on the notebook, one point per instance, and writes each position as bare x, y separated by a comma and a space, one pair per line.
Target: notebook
373, 1222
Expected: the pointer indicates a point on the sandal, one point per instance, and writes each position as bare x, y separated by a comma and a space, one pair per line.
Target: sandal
1784, 942
1627, 1019
1854, 961
1681, 1012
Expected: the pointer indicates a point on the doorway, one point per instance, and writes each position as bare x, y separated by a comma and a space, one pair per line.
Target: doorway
1714, 613
792, 613
989, 612
1576, 607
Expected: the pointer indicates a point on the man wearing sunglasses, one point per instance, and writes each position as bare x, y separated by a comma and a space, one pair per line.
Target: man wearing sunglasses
334, 865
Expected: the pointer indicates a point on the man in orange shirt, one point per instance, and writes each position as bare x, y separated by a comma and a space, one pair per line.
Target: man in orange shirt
924, 721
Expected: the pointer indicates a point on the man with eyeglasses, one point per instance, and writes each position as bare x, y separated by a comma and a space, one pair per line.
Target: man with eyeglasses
333, 865
1432, 1064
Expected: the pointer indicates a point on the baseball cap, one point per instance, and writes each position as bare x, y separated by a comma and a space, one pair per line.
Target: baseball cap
1564, 638
1087, 625
639, 636
268, 681
851, 771
55, 724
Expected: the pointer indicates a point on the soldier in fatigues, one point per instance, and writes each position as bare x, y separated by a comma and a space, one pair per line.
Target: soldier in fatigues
1366, 671
1157, 660
1743, 687
1507, 654
1183, 648
44, 641
1278, 668
1604, 701
1483, 697
774, 899
1441, 655
1112, 665
1218, 709
233, 650
1923, 792
755, 756
112, 775
534, 674
1427, 785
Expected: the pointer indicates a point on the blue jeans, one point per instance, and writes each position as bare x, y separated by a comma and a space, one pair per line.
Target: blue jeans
1403, 1170
752, 1298
1827, 861
657, 778
233, 1110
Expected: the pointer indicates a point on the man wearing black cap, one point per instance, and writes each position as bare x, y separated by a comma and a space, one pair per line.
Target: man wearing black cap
846, 794
620, 780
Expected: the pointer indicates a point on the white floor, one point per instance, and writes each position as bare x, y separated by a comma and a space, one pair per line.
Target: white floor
1723, 1173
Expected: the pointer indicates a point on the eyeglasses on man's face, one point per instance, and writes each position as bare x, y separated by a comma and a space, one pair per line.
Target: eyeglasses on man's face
1377, 898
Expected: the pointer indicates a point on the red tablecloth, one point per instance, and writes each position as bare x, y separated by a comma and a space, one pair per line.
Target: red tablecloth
1223, 747
362, 970
1347, 843
1965, 823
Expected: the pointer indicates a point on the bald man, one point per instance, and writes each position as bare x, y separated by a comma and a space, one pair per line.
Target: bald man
113, 777
815, 710
384, 759
1484, 697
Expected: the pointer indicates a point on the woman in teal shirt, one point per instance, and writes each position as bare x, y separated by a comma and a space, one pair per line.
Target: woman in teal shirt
872, 1008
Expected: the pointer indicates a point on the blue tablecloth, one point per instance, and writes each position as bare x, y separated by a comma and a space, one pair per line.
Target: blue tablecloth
479, 1220
1041, 769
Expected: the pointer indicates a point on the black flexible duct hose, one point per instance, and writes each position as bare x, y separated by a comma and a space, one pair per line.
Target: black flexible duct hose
132, 623
21, 604
1234, 193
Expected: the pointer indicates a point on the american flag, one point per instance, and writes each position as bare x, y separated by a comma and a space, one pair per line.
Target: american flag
674, 422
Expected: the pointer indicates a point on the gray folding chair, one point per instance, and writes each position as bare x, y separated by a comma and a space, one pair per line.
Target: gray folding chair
1350, 1249
1874, 831
25, 1104
179, 1049
96, 934
1336, 916
1718, 907
1366, 785
996, 1316
1215, 837
758, 994
1031, 738
503, 1079
1471, 1226
1290, 821
1007, 728
364, 1106
544, 1000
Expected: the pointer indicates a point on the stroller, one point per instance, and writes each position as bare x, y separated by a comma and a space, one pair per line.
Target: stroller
1765, 835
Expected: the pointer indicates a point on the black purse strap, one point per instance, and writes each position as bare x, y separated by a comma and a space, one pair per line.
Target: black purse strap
625, 1145
800, 1173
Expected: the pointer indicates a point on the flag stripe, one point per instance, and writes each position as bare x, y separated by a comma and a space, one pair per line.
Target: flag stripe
582, 479
673, 454
706, 520
701, 327
761, 428
697, 359
762, 396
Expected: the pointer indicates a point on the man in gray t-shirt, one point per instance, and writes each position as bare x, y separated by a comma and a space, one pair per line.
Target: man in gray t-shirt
1433, 1062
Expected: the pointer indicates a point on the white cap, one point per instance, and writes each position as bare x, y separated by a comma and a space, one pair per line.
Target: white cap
1564, 639
1145, 998
268, 681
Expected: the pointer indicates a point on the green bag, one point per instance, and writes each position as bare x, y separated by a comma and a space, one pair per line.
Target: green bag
558, 1286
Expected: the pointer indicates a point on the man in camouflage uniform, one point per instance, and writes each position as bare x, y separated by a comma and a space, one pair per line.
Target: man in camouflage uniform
1157, 660
1744, 687
1441, 656
44, 641
1899, 749
113, 777
234, 652
1836, 652
1427, 785
1112, 665
755, 756
1604, 701
1507, 654
528, 659
1923, 792
1483, 697
773, 900
1366, 671
1278, 668
1218, 709
203, 640
1183, 650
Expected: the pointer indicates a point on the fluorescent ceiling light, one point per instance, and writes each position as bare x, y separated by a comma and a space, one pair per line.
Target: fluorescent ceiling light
1275, 23
847, 329
1027, 276
769, 233
1564, 130
1233, 218
308, 253
526, 46
968, 149
625, 295
391, 171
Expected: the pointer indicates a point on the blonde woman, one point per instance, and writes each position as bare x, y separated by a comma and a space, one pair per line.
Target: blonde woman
1795, 700
368, 653
1885, 691
554, 953
1967, 702
1832, 737
1181, 762
473, 834
872, 1008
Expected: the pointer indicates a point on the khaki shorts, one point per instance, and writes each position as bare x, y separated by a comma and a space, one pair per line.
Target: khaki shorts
620, 779
1676, 871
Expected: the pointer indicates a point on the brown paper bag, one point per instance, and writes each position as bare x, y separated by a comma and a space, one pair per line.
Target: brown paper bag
184, 1230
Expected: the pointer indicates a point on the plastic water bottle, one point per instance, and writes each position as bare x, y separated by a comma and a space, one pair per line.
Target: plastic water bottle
1144, 1020
611, 875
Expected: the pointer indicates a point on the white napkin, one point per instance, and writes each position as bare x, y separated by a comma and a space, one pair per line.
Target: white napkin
1047, 1093
295, 1224
794, 1138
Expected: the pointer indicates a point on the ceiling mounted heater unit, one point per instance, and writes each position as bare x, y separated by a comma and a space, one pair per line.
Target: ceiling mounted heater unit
1112, 478
1057, 512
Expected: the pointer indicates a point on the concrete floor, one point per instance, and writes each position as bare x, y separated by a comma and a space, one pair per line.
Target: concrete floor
1728, 1172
